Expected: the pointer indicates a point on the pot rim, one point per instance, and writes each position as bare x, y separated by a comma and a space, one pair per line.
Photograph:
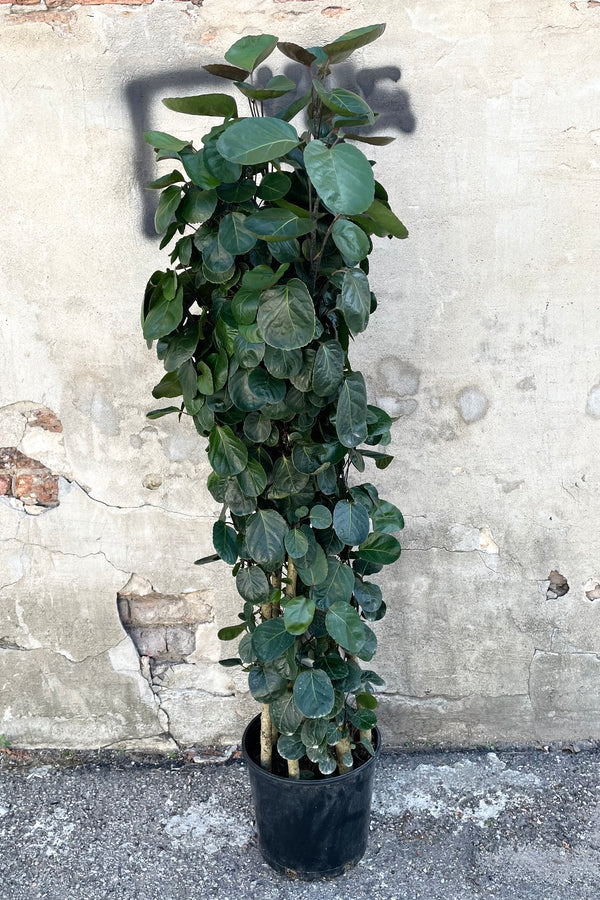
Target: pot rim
307, 782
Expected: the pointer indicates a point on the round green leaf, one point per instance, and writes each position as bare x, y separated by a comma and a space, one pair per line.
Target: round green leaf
314, 732
298, 614
198, 205
345, 626
350, 240
168, 203
270, 639
265, 684
287, 479
286, 316
283, 363
234, 235
257, 428
253, 480
253, 585
351, 522
313, 693
226, 453
265, 534
274, 186
320, 516
314, 572
219, 167
296, 543
253, 141
380, 548
285, 715
341, 176
368, 595
163, 317
290, 746
337, 587
248, 354
387, 518
269, 389
344, 102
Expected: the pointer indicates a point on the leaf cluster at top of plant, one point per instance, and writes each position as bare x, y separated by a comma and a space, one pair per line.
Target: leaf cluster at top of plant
268, 285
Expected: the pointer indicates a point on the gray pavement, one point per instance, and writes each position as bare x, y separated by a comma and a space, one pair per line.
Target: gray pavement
523, 825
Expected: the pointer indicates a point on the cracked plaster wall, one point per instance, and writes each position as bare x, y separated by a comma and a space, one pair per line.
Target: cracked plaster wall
482, 346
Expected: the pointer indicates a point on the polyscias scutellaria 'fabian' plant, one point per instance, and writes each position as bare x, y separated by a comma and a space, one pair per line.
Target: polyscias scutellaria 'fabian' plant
268, 285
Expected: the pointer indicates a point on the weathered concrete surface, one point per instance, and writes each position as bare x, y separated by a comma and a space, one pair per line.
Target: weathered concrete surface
481, 345
445, 826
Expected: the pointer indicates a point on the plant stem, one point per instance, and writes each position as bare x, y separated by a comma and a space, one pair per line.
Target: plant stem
340, 750
367, 735
293, 768
290, 591
266, 746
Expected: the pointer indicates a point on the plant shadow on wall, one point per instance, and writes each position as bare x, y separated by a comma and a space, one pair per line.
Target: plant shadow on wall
271, 225
378, 85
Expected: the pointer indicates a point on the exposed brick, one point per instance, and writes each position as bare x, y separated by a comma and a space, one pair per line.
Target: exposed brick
181, 641
5, 485
150, 641
44, 417
165, 609
26, 479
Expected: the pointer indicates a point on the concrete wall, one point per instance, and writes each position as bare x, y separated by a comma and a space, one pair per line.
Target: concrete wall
484, 345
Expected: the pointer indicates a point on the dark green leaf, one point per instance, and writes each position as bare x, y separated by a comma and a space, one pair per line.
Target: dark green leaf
165, 180
337, 587
283, 363
262, 277
253, 585
269, 389
285, 715
162, 141
275, 87
328, 368
351, 522
290, 746
345, 626
159, 413
369, 139
233, 73
286, 478
168, 386
340, 49
247, 354
248, 52
320, 516
194, 165
236, 193
368, 595
253, 479
296, 543
235, 236
286, 316
333, 664
364, 719
265, 684
215, 256
245, 305
297, 53
265, 535
307, 458
251, 142
274, 186
231, 632
257, 427
218, 167
351, 426
351, 241
342, 177
387, 518
225, 542
386, 221
380, 548
344, 102
314, 572
271, 639
355, 300
314, 732
369, 647
274, 224
298, 614
313, 693
168, 203
163, 317
227, 454
204, 105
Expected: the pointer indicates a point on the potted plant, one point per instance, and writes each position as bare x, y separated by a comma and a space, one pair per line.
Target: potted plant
268, 285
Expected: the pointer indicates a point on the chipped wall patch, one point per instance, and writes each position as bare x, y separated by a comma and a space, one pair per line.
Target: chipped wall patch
472, 404
26, 482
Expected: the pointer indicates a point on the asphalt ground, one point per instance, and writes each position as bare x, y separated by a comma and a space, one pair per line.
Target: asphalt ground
523, 825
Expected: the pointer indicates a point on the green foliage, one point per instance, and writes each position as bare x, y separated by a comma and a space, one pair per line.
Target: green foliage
270, 229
